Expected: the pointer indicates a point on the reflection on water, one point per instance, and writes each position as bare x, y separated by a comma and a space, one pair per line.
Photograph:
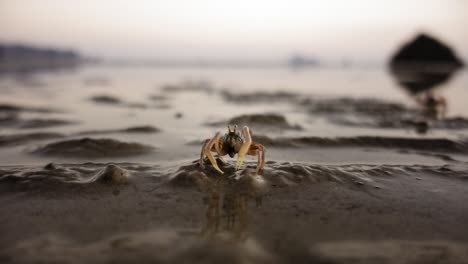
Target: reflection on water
420, 84
227, 202
422, 78
432, 105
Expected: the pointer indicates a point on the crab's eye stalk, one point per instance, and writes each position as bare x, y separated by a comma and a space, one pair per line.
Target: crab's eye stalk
235, 128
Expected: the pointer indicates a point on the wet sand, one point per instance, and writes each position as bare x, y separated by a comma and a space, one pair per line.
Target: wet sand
294, 212
347, 179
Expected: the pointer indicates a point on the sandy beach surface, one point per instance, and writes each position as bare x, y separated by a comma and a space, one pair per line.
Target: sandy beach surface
94, 172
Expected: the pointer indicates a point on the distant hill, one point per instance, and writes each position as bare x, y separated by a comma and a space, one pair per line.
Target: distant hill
298, 61
22, 58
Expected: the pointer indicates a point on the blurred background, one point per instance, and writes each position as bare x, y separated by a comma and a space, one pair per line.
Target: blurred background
363, 32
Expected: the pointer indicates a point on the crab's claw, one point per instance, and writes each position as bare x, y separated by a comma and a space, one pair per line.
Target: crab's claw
244, 148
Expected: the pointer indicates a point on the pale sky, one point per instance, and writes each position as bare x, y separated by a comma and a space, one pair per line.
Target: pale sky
242, 29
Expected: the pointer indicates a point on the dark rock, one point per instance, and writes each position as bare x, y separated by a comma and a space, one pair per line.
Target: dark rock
426, 49
424, 63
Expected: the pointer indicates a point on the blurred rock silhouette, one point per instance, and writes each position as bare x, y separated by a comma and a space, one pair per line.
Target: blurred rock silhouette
423, 64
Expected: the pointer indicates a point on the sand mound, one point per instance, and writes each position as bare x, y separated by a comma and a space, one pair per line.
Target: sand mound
42, 123
13, 121
362, 106
115, 101
106, 99
260, 97
19, 108
93, 148
135, 129
18, 139
52, 174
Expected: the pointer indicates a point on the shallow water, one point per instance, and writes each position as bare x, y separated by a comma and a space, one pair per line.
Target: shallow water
181, 101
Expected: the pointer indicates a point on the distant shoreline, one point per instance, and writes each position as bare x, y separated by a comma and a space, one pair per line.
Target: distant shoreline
18, 58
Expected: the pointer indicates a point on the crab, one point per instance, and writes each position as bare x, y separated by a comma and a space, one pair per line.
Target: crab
232, 143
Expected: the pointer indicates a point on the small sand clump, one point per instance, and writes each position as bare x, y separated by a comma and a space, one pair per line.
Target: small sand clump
112, 174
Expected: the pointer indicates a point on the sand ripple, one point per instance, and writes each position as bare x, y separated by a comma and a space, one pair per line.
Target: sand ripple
275, 174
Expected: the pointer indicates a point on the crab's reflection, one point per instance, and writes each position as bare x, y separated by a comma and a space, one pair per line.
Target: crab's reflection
227, 202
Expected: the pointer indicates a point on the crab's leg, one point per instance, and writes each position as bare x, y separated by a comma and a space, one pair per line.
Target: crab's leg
259, 151
244, 148
202, 154
261, 157
219, 149
262, 163
206, 150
